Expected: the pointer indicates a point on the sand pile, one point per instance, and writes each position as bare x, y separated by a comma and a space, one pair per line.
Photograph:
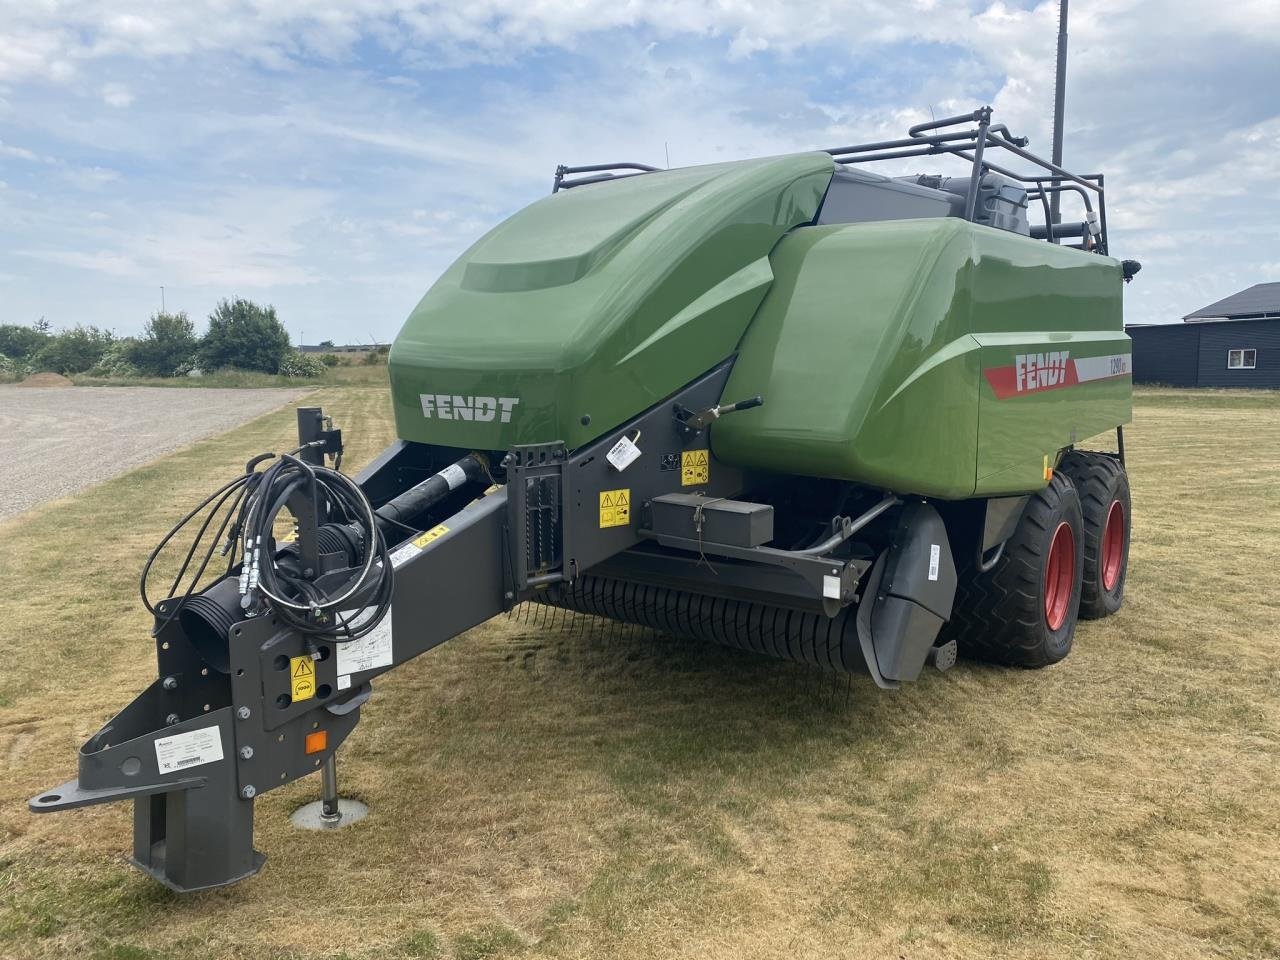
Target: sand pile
46, 380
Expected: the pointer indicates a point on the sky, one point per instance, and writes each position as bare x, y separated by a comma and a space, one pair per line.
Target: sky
333, 157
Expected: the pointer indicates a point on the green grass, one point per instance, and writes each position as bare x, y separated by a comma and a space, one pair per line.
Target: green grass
545, 788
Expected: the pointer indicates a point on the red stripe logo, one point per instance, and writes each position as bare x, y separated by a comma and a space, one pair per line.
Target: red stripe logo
1053, 370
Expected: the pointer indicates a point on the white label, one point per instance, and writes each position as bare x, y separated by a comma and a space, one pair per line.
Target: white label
935, 554
453, 475
190, 749
831, 587
623, 454
370, 651
404, 553
344, 682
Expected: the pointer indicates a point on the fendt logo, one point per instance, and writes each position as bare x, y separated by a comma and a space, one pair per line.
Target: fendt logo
1034, 372
446, 406
1038, 371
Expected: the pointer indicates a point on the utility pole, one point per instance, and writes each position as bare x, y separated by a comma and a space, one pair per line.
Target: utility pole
162, 310
1059, 97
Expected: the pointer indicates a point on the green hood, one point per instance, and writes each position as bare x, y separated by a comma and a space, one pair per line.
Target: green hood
593, 304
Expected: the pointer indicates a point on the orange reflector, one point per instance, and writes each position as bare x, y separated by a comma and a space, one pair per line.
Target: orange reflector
317, 741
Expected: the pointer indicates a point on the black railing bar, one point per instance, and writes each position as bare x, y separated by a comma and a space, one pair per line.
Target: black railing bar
1062, 188
1051, 167
599, 178
597, 167
901, 142
930, 151
972, 117
971, 199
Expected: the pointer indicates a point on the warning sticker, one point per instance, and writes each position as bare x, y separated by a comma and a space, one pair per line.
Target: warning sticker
435, 533
190, 749
695, 467
615, 508
302, 677
407, 551
369, 652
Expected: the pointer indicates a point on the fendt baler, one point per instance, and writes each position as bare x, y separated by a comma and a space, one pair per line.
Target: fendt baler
783, 404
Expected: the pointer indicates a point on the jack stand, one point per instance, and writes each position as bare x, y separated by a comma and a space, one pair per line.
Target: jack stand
330, 812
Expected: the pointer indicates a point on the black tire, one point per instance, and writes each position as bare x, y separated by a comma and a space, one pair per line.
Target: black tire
1103, 487
1000, 616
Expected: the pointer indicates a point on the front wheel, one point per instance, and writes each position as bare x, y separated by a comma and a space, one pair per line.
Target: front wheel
1023, 610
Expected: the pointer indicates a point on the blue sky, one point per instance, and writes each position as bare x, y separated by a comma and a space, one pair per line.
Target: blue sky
332, 158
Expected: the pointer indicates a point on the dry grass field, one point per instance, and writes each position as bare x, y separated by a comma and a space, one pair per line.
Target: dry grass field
551, 789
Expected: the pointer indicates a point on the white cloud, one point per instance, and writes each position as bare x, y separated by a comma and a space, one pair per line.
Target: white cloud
21, 153
116, 95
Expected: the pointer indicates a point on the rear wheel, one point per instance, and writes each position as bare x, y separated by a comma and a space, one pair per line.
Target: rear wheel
1023, 610
1104, 501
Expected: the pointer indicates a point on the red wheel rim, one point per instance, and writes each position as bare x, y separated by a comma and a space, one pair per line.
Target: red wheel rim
1059, 576
1113, 546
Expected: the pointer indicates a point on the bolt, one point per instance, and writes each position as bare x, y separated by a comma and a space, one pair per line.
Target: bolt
171, 719
170, 683
246, 753
243, 713
249, 791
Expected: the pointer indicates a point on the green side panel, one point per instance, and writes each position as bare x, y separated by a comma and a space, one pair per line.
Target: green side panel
872, 346
593, 304
1073, 300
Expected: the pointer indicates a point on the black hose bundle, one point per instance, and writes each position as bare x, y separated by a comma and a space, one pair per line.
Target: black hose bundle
242, 514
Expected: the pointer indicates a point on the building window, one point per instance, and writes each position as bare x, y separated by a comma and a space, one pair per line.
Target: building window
1242, 359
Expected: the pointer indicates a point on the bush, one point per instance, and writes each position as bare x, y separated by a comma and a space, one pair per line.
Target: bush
300, 365
330, 359
117, 361
168, 343
11, 369
73, 351
376, 356
246, 336
21, 343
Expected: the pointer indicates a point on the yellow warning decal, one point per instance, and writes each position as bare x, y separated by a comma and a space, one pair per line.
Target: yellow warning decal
695, 467
615, 508
302, 677
435, 533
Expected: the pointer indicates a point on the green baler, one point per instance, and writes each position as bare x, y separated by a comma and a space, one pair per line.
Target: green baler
783, 404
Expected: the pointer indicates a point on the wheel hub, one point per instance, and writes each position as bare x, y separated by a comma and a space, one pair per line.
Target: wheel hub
1113, 546
1059, 575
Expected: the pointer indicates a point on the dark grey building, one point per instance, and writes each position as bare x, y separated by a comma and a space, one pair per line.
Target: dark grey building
1232, 343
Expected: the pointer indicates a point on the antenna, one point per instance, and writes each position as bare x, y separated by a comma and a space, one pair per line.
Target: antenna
1059, 97
667, 150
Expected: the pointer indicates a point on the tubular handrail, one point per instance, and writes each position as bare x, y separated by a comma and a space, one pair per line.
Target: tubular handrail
931, 138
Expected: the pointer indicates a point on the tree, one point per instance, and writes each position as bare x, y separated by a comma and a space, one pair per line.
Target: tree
168, 341
74, 350
243, 334
19, 342
327, 344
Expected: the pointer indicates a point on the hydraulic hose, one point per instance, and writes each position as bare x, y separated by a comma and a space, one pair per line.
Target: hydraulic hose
240, 516
408, 506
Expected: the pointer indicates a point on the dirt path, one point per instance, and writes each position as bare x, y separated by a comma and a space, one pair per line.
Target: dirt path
55, 442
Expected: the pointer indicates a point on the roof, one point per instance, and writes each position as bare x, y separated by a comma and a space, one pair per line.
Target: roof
1260, 300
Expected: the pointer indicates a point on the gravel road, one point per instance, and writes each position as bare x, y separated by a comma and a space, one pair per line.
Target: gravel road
54, 442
